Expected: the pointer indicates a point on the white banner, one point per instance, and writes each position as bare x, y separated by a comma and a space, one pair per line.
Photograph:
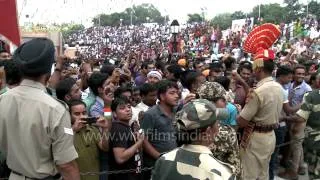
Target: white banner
238, 24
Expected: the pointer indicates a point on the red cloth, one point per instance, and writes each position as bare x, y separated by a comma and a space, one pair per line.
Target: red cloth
9, 24
265, 54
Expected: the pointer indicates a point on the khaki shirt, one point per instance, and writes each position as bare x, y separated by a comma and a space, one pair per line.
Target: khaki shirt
35, 131
86, 142
265, 104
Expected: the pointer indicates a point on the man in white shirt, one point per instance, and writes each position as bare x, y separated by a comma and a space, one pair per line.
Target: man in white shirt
237, 53
300, 47
315, 33
148, 93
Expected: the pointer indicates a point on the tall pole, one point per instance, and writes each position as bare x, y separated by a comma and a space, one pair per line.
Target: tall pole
202, 11
259, 11
131, 12
175, 43
308, 8
99, 25
131, 17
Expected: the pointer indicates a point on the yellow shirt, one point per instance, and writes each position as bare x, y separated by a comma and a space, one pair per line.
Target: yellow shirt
86, 143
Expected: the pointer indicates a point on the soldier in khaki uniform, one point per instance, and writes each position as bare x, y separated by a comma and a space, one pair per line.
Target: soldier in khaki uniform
36, 135
259, 118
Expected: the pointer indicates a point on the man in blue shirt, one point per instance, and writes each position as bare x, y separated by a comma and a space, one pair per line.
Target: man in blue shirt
298, 87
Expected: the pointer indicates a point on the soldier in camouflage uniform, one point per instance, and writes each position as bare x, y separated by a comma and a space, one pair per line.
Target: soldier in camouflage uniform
194, 160
225, 146
310, 112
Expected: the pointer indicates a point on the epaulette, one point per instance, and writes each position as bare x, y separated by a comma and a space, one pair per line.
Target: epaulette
64, 104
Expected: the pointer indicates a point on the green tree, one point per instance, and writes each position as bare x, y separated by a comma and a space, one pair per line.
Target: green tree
271, 13
313, 8
238, 15
147, 10
194, 18
140, 14
68, 29
293, 10
110, 19
224, 20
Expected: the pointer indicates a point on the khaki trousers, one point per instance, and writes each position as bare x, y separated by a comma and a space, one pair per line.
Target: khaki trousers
256, 157
296, 149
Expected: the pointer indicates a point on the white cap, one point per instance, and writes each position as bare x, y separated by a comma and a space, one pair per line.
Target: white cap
155, 74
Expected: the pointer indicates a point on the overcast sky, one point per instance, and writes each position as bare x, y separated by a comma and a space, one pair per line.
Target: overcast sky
82, 11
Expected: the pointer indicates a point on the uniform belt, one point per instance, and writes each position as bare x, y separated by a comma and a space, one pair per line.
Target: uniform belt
55, 177
265, 128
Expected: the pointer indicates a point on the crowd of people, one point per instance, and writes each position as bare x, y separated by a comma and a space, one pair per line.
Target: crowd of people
98, 42
203, 110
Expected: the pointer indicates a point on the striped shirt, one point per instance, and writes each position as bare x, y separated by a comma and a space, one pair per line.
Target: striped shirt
96, 109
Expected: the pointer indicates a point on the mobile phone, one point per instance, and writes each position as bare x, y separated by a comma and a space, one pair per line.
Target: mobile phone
112, 61
90, 120
141, 131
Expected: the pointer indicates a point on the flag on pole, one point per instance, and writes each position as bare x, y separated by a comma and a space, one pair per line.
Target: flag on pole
9, 23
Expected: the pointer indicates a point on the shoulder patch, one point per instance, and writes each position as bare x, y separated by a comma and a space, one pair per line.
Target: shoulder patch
250, 95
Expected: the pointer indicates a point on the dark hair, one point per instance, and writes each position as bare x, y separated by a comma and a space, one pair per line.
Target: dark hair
146, 88
176, 70
145, 64
215, 65
160, 65
299, 66
229, 61
284, 53
268, 66
313, 77
121, 100
164, 85
121, 90
284, 71
75, 102
188, 78
64, 87
196, 63
96, 80
13, 72
216, 99
135, 88
244, 65
223, 81
107, 69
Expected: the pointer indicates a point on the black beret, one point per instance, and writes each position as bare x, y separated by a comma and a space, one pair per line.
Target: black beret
35, 57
